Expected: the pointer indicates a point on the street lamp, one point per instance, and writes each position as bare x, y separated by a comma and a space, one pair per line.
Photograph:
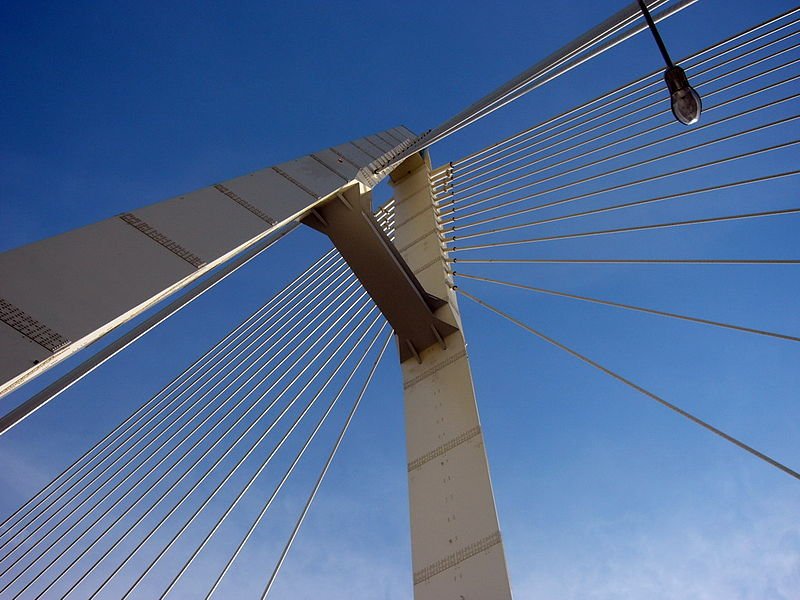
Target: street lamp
686, 102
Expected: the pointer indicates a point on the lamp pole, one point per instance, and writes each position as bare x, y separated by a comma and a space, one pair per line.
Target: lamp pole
686, 102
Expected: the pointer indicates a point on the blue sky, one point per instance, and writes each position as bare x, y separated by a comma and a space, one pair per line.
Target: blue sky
600, 493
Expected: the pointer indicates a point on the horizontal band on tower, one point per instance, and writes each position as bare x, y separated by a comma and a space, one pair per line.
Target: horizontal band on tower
456, 557
418, 240
435, 368
430, 263
422, 211
446, 447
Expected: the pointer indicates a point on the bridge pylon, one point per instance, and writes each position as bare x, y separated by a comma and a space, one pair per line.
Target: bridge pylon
456, 545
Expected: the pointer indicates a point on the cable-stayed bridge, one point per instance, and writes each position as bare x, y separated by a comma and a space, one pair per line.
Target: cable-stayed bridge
292, 376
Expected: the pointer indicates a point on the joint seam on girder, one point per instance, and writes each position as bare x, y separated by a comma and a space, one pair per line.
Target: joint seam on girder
245, 204
326, 166
343, 157
23, 323
284, 174
161, 239
373, 157
392, 143
398, 139
381, 151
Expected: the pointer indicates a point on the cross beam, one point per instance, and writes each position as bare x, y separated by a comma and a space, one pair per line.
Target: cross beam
347, 219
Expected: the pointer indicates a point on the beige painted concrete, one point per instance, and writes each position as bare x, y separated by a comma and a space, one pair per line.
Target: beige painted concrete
456, 547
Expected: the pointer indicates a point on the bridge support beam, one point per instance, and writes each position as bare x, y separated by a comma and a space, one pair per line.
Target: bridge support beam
63, 293
348, 220
457, 550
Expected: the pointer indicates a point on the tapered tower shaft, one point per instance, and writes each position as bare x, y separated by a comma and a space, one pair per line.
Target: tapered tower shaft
456, 546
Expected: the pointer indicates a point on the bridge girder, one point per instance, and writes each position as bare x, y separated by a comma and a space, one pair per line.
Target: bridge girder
61, 294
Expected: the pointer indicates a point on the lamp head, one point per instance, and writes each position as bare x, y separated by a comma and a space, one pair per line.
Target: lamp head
686, 102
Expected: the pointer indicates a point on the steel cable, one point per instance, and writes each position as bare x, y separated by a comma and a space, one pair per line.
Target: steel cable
325, 469
634, 165
232, 506
555, 69
309, 296
208, 356
228, 430
603, 98
283, 480
200, 363
219, 460
638, 388
161, 446
204, 454
503, 170
768, 213
457, 173
632, 307
621, 261
196, 443
634, 204
650, 179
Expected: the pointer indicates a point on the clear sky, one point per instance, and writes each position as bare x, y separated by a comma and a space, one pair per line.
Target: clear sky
601, 493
